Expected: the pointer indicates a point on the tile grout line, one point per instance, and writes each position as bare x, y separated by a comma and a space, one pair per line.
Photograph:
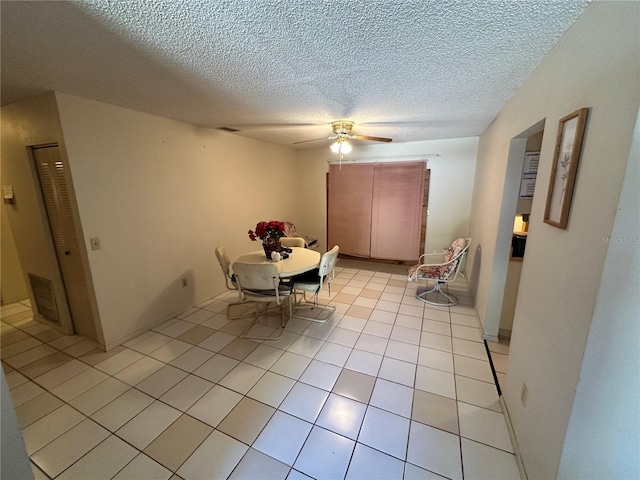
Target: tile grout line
493, 369
455, 386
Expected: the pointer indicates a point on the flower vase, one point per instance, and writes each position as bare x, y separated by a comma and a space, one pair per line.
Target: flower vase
271, 247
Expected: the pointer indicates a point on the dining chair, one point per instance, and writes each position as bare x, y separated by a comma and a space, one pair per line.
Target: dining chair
230, 283
260, 283
293, 242
313, 282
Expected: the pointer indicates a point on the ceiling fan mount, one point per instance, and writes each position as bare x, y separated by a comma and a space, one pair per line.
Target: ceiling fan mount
342, 127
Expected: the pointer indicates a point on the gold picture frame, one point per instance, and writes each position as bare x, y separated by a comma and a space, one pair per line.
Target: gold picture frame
565, 167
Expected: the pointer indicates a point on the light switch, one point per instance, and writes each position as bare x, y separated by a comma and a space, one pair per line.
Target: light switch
95, 243
7, 193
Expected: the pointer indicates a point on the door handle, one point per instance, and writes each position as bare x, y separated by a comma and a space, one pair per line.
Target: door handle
67, 252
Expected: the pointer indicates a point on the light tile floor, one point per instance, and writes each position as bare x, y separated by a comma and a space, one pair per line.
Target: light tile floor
388, 388
499, 357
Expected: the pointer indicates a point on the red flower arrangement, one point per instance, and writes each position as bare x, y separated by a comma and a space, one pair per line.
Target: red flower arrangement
268, 232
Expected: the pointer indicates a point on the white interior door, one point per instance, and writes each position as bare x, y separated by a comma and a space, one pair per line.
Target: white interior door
57, 199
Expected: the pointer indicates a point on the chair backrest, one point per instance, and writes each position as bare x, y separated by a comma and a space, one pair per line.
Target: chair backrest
224, 261
328, 263
293, 242
453, 250
454, 255
290, 230
261, 276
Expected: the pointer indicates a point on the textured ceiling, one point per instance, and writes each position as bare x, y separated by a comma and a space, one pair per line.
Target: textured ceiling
282, 70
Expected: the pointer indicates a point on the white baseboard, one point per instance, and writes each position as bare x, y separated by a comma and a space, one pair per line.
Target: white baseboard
490, 338
512, 436
506, 334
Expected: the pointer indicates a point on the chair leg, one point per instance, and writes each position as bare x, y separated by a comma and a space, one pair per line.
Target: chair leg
314, 305
437, 290
246, 314
258, 316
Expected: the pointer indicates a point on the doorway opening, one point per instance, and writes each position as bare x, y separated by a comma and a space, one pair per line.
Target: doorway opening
57, 196
515, 218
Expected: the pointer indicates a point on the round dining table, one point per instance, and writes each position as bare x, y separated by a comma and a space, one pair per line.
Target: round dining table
300, 260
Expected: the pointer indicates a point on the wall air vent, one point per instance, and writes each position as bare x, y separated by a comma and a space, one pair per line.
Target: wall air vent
228, 129
45, 299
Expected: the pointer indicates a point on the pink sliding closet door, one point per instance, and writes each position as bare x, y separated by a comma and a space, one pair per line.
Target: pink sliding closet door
398, 190
349, 209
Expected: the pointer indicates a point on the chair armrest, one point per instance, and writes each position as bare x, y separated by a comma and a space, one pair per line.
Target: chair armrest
427, 265
440, 254
430, 257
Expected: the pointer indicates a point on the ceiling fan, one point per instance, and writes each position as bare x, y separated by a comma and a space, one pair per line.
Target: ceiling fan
341, 133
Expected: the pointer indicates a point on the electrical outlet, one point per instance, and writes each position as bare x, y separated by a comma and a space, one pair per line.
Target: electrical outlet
184, 282
524, 394
95, 243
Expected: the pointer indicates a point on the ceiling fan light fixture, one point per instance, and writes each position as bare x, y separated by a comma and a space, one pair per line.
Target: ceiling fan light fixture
341, 146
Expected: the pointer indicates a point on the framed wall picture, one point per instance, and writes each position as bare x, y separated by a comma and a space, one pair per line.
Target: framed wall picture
565, 166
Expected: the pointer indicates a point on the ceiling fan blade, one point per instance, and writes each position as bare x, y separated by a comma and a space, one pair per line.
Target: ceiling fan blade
270, 126
314, 140
374, 139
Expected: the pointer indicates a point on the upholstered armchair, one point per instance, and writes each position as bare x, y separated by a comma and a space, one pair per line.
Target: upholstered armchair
290, 230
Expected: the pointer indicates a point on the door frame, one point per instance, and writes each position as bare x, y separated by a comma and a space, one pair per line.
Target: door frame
504, 235
64, 309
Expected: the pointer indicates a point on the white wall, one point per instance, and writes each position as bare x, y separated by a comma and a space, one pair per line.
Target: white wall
313, 194
161, 195
450, 188
595, 65
603, 437
13, 287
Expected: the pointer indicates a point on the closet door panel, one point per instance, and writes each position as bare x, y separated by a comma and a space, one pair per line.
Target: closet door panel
349, 205
398, 191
